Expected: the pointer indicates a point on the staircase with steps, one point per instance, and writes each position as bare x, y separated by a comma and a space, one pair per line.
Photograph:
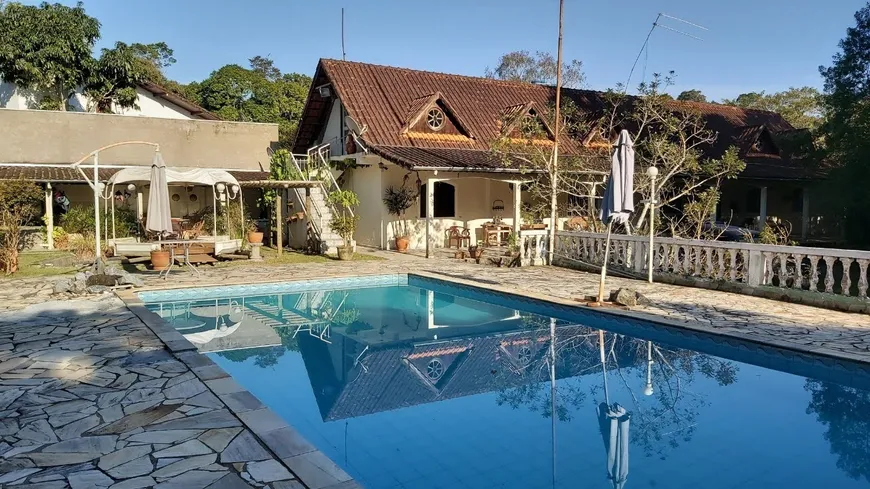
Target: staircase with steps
314, 167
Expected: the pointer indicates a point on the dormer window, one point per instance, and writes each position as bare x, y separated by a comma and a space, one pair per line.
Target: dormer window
432, 117
435, 119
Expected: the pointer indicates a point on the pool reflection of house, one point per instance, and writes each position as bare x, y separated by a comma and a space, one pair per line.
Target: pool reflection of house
350, 379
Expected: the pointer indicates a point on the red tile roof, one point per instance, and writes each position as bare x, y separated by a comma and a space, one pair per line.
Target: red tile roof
64, 173
384, 98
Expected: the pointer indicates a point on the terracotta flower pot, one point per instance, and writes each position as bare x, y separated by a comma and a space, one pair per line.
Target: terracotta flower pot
402, 244
160, 260
255, 237
345, 253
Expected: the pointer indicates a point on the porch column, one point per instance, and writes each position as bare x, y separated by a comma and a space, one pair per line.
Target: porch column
763, 209
280, 234
517, 203
805, 213
49, 217
430, 204
140, 204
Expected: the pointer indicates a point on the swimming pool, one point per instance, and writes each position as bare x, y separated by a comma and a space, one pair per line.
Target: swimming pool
410, 382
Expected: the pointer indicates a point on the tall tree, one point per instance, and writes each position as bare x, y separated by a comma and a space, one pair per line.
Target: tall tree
117, 73
255, 95
801, 107
265, 66
47, 48
847, 128
536, 68
692, 96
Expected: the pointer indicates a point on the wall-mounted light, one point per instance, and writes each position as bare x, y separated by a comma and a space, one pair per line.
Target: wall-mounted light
324, 91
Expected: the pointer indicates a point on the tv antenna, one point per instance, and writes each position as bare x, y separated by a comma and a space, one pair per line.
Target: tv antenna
655, 24
343, 56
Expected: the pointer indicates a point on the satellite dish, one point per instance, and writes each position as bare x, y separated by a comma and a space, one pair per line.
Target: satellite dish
354, 126
355, 131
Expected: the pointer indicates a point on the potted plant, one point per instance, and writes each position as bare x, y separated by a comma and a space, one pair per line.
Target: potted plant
476, 251
344, 221
255, 236
159, 259
398, 200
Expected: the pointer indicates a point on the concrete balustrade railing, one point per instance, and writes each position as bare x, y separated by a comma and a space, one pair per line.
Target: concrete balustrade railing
829, 271
533, 247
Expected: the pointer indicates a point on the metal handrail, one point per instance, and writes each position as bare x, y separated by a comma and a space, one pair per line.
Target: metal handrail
317, 223
318, 153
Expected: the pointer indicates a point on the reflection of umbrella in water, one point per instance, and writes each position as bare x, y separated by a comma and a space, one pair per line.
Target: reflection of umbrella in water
614, 422
219, 331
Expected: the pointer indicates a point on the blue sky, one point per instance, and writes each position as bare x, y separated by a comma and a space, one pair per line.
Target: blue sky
751, 45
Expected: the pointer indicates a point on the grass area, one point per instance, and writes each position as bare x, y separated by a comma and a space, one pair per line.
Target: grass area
270, 257
31, 264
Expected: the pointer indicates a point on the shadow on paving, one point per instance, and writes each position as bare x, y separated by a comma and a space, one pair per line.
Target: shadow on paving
91, 398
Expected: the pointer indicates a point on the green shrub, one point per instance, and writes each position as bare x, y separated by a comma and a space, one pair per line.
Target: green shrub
79, 219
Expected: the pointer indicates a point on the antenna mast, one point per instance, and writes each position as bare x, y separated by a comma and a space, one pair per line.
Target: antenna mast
343, 56
655, 24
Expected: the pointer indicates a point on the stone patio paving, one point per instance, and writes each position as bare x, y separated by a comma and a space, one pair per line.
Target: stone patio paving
91, 397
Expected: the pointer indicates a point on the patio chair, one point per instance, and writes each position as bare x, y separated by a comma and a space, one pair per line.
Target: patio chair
460, 235
193, 232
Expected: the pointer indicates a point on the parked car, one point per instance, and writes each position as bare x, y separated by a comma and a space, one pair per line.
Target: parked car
728, 232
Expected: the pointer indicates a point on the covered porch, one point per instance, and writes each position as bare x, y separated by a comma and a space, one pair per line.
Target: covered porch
485, 205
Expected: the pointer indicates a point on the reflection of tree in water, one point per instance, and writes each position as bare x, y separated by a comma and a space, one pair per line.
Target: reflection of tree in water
267, 356
661, 426
845, 411
263, 357
657, 426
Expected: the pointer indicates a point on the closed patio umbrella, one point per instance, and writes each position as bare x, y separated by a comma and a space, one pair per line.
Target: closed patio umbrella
159, 219
618, 201
614, 420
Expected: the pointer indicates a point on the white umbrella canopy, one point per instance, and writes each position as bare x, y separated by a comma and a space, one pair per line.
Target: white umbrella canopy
618, 201
159, 219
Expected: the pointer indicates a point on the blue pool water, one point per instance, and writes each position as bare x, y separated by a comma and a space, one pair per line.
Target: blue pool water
416, 383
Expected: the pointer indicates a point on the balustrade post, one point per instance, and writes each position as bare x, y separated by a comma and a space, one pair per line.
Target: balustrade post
755, 268
846, 282
829, 276
638, 255
862, 278
814, 273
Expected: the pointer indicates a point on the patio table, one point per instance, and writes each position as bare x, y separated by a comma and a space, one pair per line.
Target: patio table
496, 234
173, 245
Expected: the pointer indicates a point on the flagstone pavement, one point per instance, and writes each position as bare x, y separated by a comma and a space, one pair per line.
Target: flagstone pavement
90, 397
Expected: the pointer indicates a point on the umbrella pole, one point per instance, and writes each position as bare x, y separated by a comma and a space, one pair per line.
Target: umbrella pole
603, 365
604, 265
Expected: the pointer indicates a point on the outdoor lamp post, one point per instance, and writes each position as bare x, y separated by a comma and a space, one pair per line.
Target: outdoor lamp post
652, 172
648, 390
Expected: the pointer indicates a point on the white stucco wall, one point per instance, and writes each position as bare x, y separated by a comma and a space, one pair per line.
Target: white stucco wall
151, 106
333, 132
366, 182
13, 97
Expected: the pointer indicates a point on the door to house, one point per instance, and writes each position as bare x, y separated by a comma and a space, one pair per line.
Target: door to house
445, 200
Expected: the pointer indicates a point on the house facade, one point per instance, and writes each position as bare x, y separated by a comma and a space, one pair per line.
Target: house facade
434, 132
